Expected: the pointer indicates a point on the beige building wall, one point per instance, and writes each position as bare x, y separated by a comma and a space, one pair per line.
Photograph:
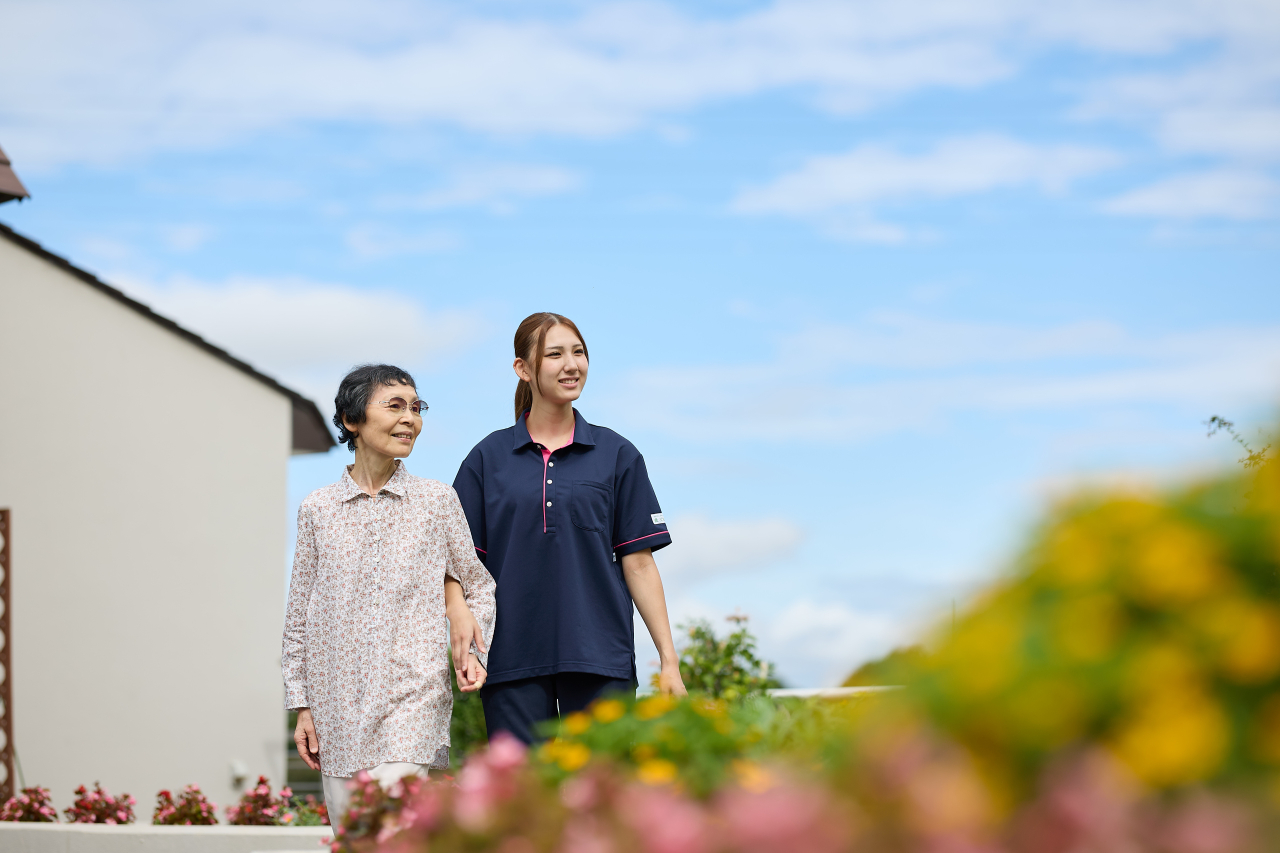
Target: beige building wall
147, 482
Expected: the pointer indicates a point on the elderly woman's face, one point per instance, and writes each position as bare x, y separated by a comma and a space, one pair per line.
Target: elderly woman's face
390, 427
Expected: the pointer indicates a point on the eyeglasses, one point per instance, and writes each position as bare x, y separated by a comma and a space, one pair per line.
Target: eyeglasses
399, 406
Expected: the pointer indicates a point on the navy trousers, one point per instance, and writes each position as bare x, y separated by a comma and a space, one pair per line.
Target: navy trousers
519, 706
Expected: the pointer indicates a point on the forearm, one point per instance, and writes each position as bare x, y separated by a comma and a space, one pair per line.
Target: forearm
454, 599
645, 585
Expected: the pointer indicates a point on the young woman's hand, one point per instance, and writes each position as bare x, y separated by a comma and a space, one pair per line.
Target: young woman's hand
645, 585
670, 682
304, 735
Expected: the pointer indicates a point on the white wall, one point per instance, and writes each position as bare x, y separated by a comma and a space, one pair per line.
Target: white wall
147, 483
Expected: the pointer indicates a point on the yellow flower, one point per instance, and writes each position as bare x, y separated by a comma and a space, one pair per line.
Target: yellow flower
982, 656
573, 756
548, 751
708, 707
1158, 666
752, 776
1174, 738
652, 707
1246, 636
576, 723
1172, 564
608, 710
1048, 711
1087, 628
643, 752
1265, 736
657, 771
1075, 555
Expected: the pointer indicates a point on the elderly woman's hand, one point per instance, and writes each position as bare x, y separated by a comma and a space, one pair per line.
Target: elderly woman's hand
464, 630
304, 735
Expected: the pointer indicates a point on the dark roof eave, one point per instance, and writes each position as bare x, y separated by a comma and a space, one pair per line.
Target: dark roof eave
10, 186
310, 431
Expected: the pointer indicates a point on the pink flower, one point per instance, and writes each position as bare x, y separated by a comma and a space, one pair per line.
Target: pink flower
580, 793
1086, 802
505, 752
781, 819
666, 822
423, 808
584, 834
1204, 823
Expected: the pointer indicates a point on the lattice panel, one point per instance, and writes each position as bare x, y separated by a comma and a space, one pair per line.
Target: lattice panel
8, 782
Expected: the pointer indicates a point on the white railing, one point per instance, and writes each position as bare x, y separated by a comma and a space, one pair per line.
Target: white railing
828, 692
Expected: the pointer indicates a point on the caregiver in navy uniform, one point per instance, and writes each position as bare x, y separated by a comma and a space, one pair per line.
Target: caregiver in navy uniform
564, 517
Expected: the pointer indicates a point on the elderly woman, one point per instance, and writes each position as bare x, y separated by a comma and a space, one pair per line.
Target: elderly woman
365, 656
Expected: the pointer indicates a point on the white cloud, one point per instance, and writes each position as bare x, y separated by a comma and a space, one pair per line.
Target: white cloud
146, 76
842, 190
1224, 193
841, 383
711, 547
186, 238
305, 333
371, 240
1225, 105
826, 641
495, 188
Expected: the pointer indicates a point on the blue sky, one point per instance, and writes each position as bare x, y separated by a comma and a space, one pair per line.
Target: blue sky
870, 284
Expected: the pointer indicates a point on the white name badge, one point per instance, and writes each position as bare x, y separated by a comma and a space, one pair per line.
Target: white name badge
658, 518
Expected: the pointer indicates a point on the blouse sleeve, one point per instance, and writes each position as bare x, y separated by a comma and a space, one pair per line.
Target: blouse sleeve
293, 656
465, 567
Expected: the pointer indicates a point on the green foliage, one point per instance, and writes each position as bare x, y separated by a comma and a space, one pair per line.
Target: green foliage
309, 811
723, 669
701, 742
895, 668
1252, 458
467, 731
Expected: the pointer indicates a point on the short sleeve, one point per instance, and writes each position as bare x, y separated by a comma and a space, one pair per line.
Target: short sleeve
469, 484
638, 522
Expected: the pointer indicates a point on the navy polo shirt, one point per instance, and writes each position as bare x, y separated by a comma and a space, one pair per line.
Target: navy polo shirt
552, 533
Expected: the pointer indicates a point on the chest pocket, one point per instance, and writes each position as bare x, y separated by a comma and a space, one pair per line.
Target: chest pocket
589, 505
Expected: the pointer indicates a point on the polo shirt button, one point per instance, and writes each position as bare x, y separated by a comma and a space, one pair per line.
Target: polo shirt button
548, 503
548, 482
552, 464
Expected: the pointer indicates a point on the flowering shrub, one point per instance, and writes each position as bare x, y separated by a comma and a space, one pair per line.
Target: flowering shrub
1149, 628
1119, 691
191, 808
97, 806
309, 812
33, 805
258, 807
723, 669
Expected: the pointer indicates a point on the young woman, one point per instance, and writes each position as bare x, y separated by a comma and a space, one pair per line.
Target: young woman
364, 637
563, 515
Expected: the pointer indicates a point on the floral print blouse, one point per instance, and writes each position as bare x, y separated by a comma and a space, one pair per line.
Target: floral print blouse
365, 643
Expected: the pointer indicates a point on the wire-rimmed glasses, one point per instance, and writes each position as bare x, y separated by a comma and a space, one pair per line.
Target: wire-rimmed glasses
399, 405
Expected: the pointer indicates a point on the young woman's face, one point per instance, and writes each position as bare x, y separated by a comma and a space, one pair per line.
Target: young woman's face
390, 427
564, 367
